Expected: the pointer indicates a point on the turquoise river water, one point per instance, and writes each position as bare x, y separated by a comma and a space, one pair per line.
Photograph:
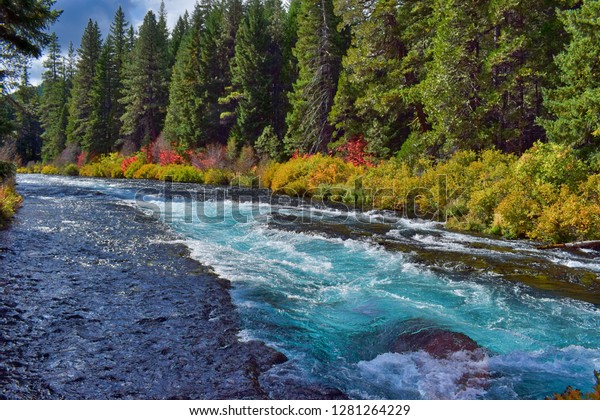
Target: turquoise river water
334, 303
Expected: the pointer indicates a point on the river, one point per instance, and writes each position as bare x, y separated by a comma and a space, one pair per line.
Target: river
332, 289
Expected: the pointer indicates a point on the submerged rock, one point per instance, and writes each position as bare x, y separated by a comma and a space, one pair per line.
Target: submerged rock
437, 342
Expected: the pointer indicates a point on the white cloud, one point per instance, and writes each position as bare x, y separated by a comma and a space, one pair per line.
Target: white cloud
175, 8
36, 70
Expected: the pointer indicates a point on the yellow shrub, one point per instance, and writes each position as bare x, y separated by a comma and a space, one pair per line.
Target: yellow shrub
570, 218
181, 173
147, 171
215, 176
517, 214
387, 186
331, 171
50, 170
269, 173
9, 202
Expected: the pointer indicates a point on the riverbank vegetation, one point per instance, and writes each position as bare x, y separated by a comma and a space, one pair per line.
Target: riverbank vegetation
9, 199
484, 115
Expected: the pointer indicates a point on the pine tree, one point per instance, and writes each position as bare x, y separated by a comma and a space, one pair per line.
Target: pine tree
70, 63
146, 84
53, 101
575, 104
215, 75
183, 124
104, 92
81, 107
375, 98
27, 126
163, 39
179, 32
108, 89
319, 50
251, 70
490, 62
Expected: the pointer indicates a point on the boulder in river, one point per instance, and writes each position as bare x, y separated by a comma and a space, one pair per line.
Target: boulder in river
439, 343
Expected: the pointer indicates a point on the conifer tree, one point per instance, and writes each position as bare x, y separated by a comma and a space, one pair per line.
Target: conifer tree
146, 84
376, 98
575, 103
319, 50
27, 126
490, 62
251, 70
183, 124
179, 32
81, 106
53, 102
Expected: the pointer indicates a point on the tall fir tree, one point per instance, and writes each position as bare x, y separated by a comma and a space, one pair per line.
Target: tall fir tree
490, 62
81, 106
575, 103
27, 126
108, 89
179, 32
54, 102
215, 74
183, 123
252, 72
376, 96
146, 84
319, 50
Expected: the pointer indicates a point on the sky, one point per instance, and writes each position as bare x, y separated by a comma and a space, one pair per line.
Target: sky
76, 14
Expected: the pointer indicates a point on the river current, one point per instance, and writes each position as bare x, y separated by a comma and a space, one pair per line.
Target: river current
333, 288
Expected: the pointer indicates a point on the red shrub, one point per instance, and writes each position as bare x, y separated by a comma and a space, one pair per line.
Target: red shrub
127, 162
169, 157
82, 159
354, 152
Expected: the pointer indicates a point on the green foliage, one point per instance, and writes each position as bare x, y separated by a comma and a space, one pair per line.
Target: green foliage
146, 83
81, 106
217, 176
182, 173
10, 201
269, 145
575, 103
319, 50
259, 71
70, 170
184, 120
7, 171
53, 110
376, 91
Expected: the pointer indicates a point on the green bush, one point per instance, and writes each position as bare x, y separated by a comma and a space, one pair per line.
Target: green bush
181, 173
7, 171
217, 176
147, 171
133, 168
71, 170
551, 163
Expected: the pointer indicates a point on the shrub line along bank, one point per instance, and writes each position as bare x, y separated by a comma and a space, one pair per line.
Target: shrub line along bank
548, 194
9, 199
